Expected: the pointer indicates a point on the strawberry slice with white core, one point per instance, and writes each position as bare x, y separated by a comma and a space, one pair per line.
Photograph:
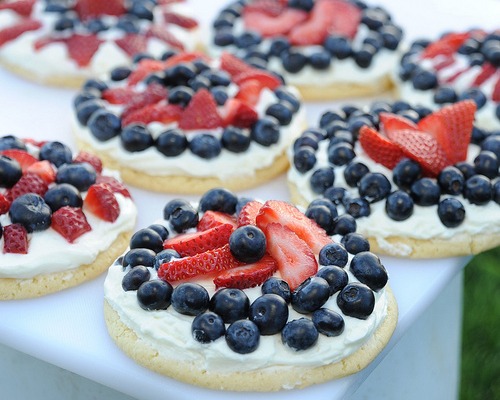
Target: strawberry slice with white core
295, 259
392, 122
379, 148
247, 276
44, 170
211, 219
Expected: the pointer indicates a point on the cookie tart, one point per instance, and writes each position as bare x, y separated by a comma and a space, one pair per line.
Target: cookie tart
63, 218
238, 294
329, 49
416, 183
65, 42
457, 66
190, 123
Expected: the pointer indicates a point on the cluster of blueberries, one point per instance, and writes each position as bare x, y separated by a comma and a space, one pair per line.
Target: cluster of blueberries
34, 211
478, 182
182, 81
383, 34
269, 313
135, 11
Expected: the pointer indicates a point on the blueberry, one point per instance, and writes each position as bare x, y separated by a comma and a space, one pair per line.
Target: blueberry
400, 105
136, 137
135, 277
355, 243
62, 195
190, 299
148, 239
322, 179
399, 205
451, 212
64, 23
304, 159
181, 215
356, 300
247, 244
136, 257
425, 192
320, 60
218, 199
466, 169
374, 39
266, 131
128, 24
120, 73
299, 334
368, 269
12, 142
335, 194
353, 173
344, 224
83, 97
96, 25
207, 327
243, 336
336, 277
364, 56
492, 143
329, 117
391, 36
323, 217
217, 78
445, 94
374, 18
277, 286
97, 84
293, 61
142, 10
486, 163
104, 125
328, 322
326, 203
179, 74
167, 54
333, 254
338, 46
31, 211
354, 124
451, 180
247, 39
288, 98
496, 191
305, 5
223, 24
81, 175
476, 95
235, 139
424, 80
269, 312
165, 256
155, 295
477, 190
181, 94
56, 152
171, 142
357, 207
242, 201
230, 304
310, 295
220, 95
205, 146
406, 172
282, 112
10, 171
340, 154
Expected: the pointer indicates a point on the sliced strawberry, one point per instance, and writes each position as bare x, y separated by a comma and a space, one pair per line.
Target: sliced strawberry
151, 95
44, 170
452, 127
21, 7
314, 30
249, 212
185, 57
495, 96
119, 95
295, 259
101, 202
87, 9
179, 20
247, 276
81, 48
33, 142
447, 45
271, 8
24, 158
392, 122
239, 114
487, 71
14, 31
132, 43
442, 64
29, 183
346, 19
453, 77
163, 34
249, 92
158, 112
40, 43
92, 159
276, 211
423, 148
113, 184
212, 219
271, 26
201, 112
15, 239
233, 65
4, 204
70, 223
266, 79
144, 68
211, 261
379, 148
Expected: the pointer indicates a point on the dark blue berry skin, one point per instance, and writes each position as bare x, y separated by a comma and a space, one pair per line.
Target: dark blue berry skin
364, 56
127, 24
136, 257
270, 313
147, 239
353, 173
374, 18
281, 112
338, 46
136, 137
248, 244
31, 211
104, 125
180, 95
368, 269
445, 94
266, 131
307, 140
190, 299
466, 169
160, 230
64, 23
451, 212
406, 172
328, 322
155, 295
205, 146
96, 84
207, 327
220, 95
425, 192
355, 243
56, 152
135, 278
333, 254
82, 97
242, 201
285, 96
374, 187
310, 295
329, 117
81, 175
335, 276
141, 56
179, 74
478, 135
218, 199
277, 286
320, 60
181, 216
322, 179
399, 205
492, 143
424, 80
340, 154
322, 215
235, 139
293, 61
476, 95
304, 159
486, 163
477, 190
62, 195
335, 194
12, 142
400, 105
344, 224
356, 300
451, 180
171, 143
357, 207
391, 36
326, 203
141, 10
10, 171
243, 336
299, 334
305, 5
165, 256
230, 304
496, 191
120, 73
247, 39
217, 78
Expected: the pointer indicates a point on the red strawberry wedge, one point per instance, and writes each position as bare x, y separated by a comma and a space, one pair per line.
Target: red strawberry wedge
190, 244
70, 223
238, 114
87, 9
295, 259
212, 219
20, 7
247, 276
14, 31
379, 148
270, 26
29, 183
392, 122
233, 65
249, 212
101, 202
4, 204
44, 170
15, 239
346, 19
281, 212
209, 262
201, 112
81, 48
24, 158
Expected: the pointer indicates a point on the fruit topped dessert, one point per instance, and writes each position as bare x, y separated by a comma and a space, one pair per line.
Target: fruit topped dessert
417, 183
63, 218
239, 294
327, 48
188, 123
64, 42
457, 66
